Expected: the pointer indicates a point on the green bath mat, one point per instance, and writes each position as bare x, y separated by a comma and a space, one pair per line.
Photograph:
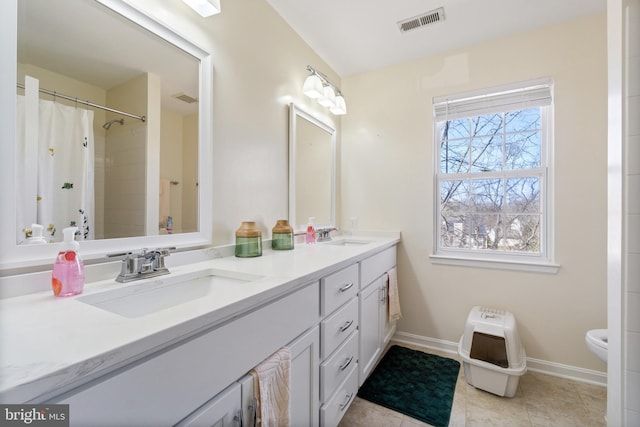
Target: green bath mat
414, 383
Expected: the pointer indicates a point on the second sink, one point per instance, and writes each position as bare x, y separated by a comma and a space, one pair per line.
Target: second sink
348, 242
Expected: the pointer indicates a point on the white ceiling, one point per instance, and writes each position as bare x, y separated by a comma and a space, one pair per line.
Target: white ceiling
355, 36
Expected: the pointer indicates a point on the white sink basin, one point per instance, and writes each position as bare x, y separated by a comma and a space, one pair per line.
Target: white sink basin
149, 296
348, 242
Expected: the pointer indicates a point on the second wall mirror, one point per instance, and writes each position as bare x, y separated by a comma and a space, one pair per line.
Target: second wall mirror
312, 169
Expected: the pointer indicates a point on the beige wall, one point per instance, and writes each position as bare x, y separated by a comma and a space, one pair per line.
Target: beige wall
387, 183
259, 68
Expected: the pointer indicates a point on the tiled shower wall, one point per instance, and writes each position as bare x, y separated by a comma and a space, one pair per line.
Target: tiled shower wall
632, 213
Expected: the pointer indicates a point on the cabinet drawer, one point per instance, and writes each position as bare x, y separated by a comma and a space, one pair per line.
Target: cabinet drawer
376, 265
336, 368
337, 327
162, 390
334, 409
337, 288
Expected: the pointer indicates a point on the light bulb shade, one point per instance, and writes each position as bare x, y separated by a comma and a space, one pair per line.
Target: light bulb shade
341, 106
313, 87
328, 98
204, 7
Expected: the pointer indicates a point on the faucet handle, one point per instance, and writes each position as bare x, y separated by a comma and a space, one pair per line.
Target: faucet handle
157, 258
323, 233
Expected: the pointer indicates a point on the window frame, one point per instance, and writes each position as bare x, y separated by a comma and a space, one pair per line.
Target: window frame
499, 100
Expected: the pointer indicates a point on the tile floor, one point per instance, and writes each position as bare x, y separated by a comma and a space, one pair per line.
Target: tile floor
541, 400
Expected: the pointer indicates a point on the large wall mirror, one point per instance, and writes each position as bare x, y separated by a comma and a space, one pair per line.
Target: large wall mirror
312, 169
137, 96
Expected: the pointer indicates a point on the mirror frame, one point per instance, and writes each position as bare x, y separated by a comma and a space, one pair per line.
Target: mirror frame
296, 112
13, 256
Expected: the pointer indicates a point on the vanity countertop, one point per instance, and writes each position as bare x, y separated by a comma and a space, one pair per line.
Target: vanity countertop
50, 345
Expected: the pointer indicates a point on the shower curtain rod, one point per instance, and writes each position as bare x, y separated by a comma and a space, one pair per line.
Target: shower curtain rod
90, 104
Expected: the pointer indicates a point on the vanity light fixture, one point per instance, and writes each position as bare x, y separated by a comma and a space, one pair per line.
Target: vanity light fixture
313, 87
317, 86
341, 106
204, 8
328, 98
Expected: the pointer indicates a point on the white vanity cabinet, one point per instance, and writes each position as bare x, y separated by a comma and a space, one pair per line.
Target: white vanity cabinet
338, 343
165, 388
375, 328
336, 328
223, 410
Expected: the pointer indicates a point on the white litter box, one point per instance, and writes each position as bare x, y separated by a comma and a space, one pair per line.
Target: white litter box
492, 355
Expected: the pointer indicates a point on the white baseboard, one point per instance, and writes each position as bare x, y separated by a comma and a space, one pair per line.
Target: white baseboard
535, 365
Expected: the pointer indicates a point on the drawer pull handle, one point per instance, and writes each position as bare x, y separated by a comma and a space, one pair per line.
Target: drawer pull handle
346, 325
238, 418
346, 287
344, 405
345, 364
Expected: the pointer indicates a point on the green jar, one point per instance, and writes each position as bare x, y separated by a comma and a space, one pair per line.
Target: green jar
282, 236
248, 240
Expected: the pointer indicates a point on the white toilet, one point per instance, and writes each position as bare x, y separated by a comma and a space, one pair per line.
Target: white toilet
598, 342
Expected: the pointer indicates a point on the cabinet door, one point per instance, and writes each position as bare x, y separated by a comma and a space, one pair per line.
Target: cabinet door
372, 302
304, 395
389, 327
224, 410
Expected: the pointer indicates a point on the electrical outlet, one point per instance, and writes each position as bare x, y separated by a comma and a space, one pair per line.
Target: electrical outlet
353, 223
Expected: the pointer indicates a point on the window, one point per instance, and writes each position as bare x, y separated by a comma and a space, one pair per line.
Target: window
492, 176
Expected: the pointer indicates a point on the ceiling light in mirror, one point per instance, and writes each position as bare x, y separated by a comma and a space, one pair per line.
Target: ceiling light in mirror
204, 8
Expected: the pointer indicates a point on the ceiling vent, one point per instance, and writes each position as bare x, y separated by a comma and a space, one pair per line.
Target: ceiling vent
428, 18
185, 98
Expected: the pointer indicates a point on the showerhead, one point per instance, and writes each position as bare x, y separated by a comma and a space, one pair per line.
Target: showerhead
110, 122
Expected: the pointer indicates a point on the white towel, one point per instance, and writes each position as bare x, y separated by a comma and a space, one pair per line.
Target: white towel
271, 382
393, 306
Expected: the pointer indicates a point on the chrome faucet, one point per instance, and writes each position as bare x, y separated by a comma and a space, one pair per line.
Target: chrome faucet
141, 265
322, 234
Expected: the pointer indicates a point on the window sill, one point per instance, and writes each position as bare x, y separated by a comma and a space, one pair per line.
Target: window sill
497, 264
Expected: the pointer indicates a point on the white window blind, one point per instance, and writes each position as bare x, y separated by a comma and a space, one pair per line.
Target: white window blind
536, 93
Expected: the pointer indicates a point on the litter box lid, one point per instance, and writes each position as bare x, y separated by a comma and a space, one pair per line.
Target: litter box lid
492, 335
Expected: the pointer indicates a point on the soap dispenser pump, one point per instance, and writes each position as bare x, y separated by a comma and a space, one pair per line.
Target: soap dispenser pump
36, 236
67, 277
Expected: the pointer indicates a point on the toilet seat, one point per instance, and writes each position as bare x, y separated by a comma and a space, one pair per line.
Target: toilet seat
599, 337
598, 342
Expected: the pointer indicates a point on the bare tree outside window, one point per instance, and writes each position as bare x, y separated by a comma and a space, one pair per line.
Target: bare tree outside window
490, 180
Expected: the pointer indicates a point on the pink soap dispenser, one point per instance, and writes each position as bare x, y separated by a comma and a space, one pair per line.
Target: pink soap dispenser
67, 277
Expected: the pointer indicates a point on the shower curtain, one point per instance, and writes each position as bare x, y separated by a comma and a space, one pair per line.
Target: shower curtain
63, 162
